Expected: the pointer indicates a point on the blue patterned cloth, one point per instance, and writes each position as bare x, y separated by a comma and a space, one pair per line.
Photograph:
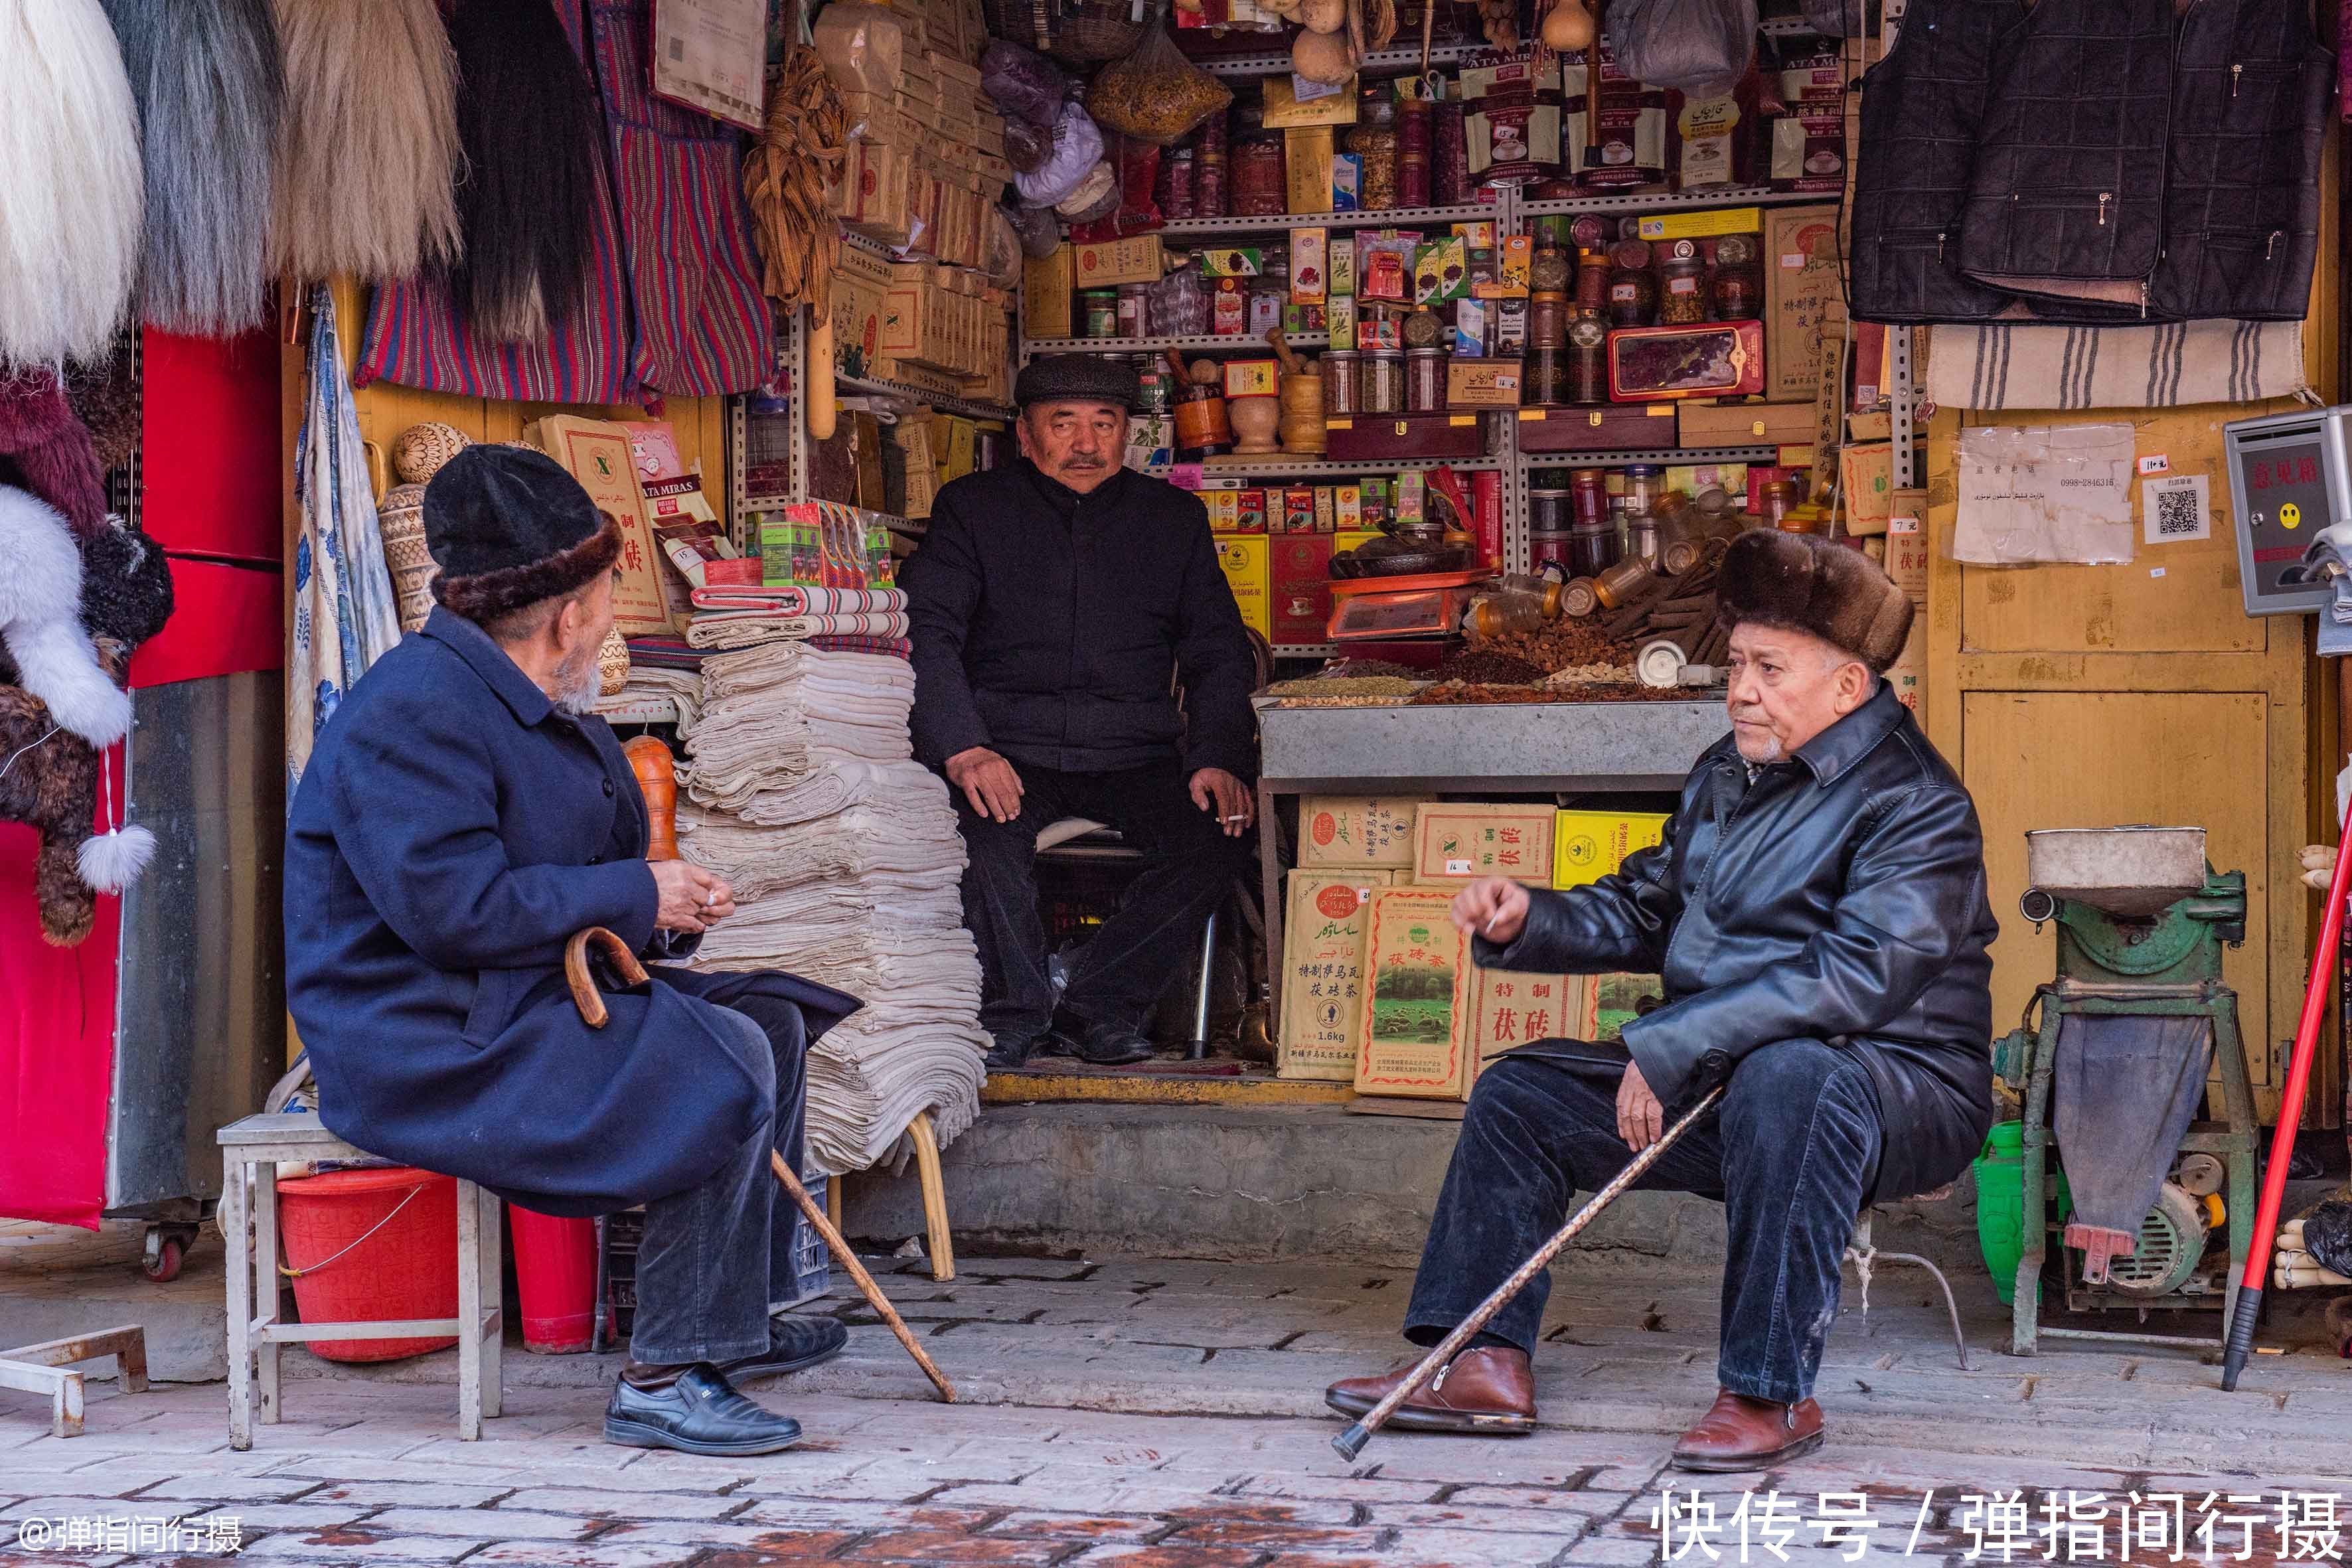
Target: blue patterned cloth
345, 616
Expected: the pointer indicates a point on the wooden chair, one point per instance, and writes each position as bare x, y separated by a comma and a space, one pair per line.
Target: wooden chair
250, 1151
941, 1242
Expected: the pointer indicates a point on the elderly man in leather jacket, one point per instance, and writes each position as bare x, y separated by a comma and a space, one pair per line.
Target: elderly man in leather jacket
1817, 910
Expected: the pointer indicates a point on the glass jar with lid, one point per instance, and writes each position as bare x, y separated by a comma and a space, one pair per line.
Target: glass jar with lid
1340, 387
1587, 356
1374, 140
1645, 485
1424, 378
1380, 381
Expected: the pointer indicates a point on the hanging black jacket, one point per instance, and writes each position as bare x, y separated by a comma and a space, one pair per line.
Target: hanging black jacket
1046, 625
1839, 896
2092, 160
1922, 108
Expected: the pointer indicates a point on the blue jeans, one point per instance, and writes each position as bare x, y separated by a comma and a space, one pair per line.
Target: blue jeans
717, 1254
1791, 1153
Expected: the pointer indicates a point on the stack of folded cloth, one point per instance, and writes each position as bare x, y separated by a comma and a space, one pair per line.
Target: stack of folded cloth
845, 863
730, 618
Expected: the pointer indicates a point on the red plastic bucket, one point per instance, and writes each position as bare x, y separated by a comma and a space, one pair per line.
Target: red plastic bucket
371, 1246
555, 1276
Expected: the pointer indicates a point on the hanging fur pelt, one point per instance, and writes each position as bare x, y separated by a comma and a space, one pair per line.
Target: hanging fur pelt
49, 449
69, 183
210, 85
532, 132
368, 156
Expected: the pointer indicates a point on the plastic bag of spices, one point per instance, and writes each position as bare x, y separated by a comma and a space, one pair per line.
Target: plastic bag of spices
1701, 47
1077, 149
1023, 84
1155, 94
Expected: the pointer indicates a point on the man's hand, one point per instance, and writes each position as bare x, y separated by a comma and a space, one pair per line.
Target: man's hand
988, 782
1641, 1120
692, 900
1213, 789
1493, 907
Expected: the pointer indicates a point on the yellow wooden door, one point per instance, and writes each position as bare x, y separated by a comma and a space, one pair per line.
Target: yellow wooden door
2088, 696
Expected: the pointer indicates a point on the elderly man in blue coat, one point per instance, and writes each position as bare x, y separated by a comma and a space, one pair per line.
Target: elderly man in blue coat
461, 816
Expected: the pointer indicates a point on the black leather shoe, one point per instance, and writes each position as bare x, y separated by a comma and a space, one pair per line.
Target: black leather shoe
793, 1342
699, 1414
1103, 1045
1009, 1051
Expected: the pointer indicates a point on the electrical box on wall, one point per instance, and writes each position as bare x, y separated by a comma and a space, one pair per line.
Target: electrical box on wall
2290, 477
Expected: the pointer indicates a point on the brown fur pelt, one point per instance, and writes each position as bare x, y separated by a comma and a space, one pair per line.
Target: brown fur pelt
368, 155
48, 779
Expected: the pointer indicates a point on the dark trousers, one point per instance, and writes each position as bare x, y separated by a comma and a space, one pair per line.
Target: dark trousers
1188, 865
1789, 1152
715, 1255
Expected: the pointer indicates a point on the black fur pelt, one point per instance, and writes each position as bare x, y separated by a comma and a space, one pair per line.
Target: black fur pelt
528, 116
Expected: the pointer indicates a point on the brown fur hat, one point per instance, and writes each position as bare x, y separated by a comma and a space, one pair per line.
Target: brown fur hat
1810, 585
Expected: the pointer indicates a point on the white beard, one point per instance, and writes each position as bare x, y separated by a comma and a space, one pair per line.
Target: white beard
576, 690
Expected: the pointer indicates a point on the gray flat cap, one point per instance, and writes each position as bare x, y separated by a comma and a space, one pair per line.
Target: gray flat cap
1089, 378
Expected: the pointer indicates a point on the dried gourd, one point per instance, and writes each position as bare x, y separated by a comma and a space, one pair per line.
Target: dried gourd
1323, 58
1323, 15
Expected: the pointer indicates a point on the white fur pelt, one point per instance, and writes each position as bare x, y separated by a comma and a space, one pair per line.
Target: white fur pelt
367, 172
211, 88
40, 620
70, 194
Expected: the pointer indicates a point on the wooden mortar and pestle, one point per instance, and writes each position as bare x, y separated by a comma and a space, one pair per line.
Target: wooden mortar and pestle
1303, 434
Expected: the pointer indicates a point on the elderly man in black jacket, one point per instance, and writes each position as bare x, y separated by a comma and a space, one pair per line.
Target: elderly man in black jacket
1053, 601
1817, 910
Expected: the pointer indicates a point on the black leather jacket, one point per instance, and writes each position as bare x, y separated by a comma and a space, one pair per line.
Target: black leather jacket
1840, 897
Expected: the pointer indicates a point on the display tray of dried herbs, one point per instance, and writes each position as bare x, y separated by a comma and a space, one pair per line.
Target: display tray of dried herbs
1455, 693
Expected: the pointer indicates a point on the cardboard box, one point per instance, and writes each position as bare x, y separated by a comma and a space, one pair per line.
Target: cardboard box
1482, 383
1243, 559
1908, 674
1512, 1008
1454, 842
1355, 830
1135, 260
1309, 265
1286, 110
1804, 302
1306, 160
1745, 424
1413, 1034
597, 453
1301, 599
1589, 844
1907, 543
1619, 997
1867, 474
1323, 932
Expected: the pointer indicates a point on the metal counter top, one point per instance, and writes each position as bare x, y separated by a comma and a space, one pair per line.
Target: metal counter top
1506, 747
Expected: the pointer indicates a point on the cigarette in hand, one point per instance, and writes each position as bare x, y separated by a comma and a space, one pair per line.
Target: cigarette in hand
1489, 927
1239, 817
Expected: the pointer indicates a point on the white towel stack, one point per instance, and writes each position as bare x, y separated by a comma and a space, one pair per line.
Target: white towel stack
845, 862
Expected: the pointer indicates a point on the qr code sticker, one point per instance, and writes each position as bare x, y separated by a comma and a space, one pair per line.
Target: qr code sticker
2176, 509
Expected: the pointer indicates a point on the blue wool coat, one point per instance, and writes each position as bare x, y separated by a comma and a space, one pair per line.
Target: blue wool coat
452, 831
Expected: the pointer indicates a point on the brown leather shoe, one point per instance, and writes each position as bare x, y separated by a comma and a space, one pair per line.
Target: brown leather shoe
1489, 1391
1743, 1434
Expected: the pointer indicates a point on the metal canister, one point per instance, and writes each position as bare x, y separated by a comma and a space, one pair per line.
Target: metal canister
1547, 318
1100, 311
1544, 382
1547, 512
1413, 138
1134, 310
1425, 380
1591, 549
1553, 550
1422, 329
1450, 155
1586, 358
1592, 282
1588, 490
1591, 232
1380, 382
1341, 395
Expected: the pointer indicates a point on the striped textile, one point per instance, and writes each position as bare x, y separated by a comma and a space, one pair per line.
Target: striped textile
416, 337
896, 647
685, 230
675, 303
793, 600
2005, 365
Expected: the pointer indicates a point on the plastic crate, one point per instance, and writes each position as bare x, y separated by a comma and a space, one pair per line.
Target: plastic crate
812, 1266
624, 1232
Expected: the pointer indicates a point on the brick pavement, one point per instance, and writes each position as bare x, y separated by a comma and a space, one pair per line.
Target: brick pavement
1151, 1414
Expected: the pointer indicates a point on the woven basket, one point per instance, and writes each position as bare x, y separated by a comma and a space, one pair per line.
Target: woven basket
400, 519
1090, 35
612, 664
418, 452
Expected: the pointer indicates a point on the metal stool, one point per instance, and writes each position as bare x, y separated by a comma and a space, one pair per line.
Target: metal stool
1081, 839
1865, 1256
251, 1149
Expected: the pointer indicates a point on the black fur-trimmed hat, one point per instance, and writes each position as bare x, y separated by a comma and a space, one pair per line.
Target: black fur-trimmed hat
1077, 378
507, 527
1810, 585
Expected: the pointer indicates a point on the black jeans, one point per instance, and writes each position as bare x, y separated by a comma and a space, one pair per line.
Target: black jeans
1789, 1152
716, 1255
1188, 865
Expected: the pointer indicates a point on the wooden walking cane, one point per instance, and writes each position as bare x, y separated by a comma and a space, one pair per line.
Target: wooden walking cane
1352, 1442
650, 760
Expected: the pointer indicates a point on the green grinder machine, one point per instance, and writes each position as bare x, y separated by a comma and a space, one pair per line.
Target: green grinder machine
2142, 919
